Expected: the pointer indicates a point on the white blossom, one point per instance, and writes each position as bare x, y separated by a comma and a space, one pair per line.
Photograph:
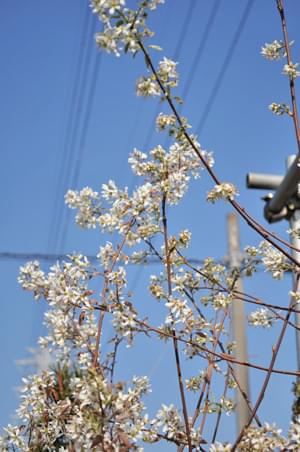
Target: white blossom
274, 51
291, 70
219, 447
152, 4
79, 404
274, 261
280, 109
147, 87
294, 435
163, 121
180, 312
167, 72
261, 317
87, 202
111, 6
221, 300
226, 190
32, 278
267, 438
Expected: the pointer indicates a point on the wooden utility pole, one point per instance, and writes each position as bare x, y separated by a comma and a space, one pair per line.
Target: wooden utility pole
238, 324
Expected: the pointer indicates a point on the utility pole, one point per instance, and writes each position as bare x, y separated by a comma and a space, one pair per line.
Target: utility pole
283, 204
295, 241
238, 325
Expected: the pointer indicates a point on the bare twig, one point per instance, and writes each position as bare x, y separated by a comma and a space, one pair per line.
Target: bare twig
268, 236
292, 82
275, 351
103, 294
174, 338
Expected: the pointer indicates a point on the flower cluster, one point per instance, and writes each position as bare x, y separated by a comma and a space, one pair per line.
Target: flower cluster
280, 109
169, 172
171, 424
107, 7
221, 300
78, 404
88, 205
194, 383
267, 438
274, 261
167, 73
71, 410
32, 278
147, 87
274, 51
123, 29
164, 121
179, 311
261, 317
226, 190
291, 70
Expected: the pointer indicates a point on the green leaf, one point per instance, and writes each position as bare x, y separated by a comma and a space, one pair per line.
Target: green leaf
155, 47
126, 47
178, 99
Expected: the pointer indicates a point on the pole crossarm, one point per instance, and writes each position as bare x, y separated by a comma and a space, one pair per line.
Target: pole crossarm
263, 181
284, 201
284, 204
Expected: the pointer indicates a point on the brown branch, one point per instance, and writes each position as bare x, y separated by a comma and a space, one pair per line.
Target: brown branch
255, 300
221, 356
296, 284
275, 351
208, 378
103, 292
190, 297
220, 411
292, 82
242, 295
174, 338
243, 213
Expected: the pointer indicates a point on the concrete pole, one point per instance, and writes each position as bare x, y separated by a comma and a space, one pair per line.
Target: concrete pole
239, 325
295, 241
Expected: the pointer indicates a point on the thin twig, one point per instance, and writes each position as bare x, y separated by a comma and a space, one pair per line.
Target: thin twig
190, 297
275, 351
214, 436
210, 371
174, 338
221, 356
103, 294
241, 210
292, 82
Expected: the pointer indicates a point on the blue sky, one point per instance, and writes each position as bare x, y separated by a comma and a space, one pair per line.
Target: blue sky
69, 117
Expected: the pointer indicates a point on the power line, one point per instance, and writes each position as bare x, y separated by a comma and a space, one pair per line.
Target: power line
72, 123
176, 54
69, 123
53, 257
7, 255
78, 137
139, 112
77, 96
224, 67
82, 142
197, 57
200, 49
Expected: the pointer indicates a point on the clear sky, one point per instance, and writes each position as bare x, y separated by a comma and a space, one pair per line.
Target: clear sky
69, 117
